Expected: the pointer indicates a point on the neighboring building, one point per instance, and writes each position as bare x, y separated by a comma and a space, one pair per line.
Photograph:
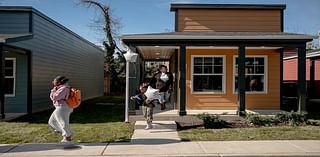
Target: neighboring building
33, 50
220, 49
290, 74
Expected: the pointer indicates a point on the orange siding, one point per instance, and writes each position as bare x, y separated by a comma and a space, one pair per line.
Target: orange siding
226, 101
227, 20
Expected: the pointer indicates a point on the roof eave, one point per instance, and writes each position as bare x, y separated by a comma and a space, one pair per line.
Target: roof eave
176, 6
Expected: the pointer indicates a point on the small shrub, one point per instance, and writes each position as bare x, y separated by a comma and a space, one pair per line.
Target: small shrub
259, 120
212, 121
292, 118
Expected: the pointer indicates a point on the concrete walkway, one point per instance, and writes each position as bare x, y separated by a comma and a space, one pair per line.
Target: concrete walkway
163, 140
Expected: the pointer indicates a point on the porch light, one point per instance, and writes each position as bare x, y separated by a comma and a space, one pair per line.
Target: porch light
156, 46
130, 57
158, 53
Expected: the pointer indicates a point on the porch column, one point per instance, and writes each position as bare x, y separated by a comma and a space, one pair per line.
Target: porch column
281, 77
2, 64
312, 78
182, 108
301, 79
241, 81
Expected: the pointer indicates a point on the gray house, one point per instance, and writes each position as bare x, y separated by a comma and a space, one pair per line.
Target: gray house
33, 50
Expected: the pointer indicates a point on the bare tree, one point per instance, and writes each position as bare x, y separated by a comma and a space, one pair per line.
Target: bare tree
114, 65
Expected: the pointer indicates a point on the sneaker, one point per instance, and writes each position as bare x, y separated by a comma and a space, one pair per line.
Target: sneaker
65, 142
149, 126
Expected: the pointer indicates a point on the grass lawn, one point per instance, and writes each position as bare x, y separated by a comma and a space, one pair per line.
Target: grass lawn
96, 120
262, 133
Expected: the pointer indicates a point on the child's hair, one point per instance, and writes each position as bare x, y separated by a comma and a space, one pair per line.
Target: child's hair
163, 66
62, 79
144, 84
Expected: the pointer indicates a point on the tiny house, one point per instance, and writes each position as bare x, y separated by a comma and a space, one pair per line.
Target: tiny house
225, 56
33, 50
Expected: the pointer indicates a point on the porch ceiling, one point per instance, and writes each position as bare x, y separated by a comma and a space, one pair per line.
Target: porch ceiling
156, 52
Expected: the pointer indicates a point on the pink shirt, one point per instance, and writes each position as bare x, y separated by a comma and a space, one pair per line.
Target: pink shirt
59, 94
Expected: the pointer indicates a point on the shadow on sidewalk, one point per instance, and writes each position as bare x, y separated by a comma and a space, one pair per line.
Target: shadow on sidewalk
147, 141
36, 147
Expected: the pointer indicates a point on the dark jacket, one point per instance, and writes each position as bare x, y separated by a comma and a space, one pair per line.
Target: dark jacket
157, 83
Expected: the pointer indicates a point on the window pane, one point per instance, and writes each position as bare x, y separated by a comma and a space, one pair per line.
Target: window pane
218, 61
197, 70
249, 69
207, 83
197, 61
207, 69
8, 72
252, 83
9, 64
8, 86
249, 60
259, 70
208, 61
236, 70
260, 61
218, 70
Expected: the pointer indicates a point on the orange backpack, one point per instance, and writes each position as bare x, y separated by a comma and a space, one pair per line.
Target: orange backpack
74, 99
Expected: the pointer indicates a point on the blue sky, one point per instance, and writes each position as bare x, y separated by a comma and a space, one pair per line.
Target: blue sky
148, 16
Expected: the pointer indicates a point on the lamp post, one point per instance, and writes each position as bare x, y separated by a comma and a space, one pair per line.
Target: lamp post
130, 58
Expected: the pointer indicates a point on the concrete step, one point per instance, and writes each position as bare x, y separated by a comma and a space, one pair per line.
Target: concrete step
156, 125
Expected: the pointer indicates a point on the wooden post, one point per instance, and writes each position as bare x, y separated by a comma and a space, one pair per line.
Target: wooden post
301, 79
241, 81
312, 78
182, 109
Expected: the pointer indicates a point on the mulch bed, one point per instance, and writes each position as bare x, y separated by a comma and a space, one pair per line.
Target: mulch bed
190, 122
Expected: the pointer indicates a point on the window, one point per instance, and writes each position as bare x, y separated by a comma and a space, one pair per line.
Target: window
255, 74
10, 76
208, 74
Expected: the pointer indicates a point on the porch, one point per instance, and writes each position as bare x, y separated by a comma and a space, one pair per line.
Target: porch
15, 76
173, 47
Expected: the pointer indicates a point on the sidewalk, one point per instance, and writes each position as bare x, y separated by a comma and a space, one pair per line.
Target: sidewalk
163, 140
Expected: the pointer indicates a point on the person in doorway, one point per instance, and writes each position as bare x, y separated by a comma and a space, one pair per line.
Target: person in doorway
163, 81
59, 119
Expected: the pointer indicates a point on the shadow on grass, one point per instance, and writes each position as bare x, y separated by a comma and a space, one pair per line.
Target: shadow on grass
97, 110
314, 115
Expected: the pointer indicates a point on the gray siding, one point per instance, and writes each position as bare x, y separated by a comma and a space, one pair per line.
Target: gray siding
14, 22
56, 51
18, 103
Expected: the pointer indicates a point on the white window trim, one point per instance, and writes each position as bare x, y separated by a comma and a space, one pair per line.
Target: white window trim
265, 73
223, 74
14, 78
